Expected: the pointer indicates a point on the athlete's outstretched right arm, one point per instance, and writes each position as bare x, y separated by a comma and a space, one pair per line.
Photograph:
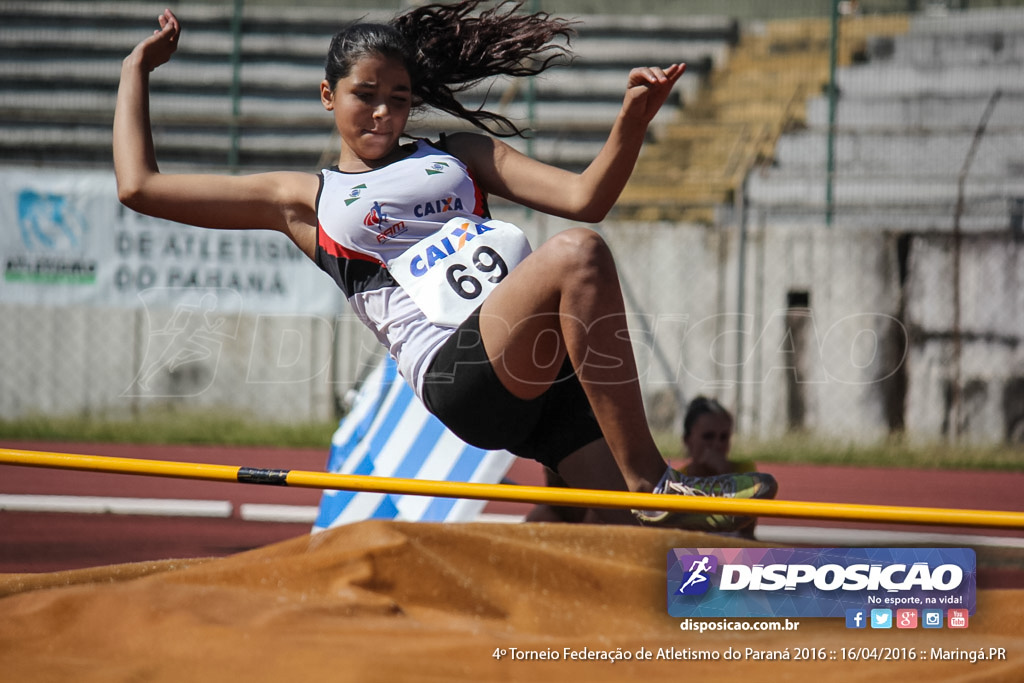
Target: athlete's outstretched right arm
274, 201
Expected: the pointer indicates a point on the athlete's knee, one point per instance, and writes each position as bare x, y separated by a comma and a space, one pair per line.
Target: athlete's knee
583, 251
581, 241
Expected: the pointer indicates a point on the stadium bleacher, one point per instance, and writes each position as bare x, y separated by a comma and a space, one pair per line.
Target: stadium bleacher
907, 119
60, 62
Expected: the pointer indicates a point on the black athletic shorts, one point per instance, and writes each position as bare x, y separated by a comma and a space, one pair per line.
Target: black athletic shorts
463, 391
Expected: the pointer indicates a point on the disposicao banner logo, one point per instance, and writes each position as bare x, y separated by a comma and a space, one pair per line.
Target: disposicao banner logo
817, 582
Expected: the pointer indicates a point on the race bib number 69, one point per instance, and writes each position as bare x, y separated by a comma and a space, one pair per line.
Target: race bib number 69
451, 272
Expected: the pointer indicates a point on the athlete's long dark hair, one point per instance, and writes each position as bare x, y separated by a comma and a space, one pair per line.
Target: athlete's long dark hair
447, 48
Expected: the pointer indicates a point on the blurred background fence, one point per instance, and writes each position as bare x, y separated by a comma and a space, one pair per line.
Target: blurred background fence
824, 230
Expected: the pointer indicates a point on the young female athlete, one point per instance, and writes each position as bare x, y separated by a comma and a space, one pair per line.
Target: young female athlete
707, 441
707, 438
542, 364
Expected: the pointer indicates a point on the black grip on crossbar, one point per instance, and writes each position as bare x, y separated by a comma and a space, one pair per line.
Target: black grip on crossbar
257, 475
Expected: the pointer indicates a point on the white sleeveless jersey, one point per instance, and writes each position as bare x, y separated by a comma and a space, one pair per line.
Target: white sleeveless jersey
369, 219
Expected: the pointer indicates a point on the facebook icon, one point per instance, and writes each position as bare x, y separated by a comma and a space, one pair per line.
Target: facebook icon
856, 618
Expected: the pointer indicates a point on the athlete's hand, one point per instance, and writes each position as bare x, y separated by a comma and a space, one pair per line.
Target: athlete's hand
158, 48
647, 90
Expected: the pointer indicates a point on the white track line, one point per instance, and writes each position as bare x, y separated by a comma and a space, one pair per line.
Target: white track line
493, 518
307, 514
161, 507
867, 537
262, 512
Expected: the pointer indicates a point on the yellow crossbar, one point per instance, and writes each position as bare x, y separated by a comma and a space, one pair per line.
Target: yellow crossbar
519, 494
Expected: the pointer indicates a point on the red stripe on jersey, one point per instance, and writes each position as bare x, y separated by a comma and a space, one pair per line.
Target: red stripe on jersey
478, 197
338, 251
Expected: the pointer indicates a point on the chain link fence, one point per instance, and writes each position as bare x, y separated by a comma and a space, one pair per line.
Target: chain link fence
839, 262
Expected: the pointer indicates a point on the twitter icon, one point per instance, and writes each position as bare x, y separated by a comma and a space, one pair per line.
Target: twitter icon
881, 618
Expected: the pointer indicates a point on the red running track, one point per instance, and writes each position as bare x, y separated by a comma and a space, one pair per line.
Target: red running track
51, 541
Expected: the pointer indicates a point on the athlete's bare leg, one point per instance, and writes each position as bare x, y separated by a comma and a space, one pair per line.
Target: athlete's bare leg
565, 299
590, 467
557, 513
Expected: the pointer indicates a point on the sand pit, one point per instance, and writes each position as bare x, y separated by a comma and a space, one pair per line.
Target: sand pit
385, 601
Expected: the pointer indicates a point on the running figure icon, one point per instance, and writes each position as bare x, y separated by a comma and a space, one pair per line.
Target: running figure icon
697, 570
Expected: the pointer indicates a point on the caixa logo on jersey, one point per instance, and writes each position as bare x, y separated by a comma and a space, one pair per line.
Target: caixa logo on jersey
816, 582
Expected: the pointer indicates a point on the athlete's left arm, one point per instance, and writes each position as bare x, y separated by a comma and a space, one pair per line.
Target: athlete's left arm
586, 196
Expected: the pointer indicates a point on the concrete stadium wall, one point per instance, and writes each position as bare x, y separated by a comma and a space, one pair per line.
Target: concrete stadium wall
843, 334
936, 196
114, 363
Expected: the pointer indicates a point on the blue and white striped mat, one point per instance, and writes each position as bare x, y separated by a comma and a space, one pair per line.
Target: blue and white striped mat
389, 433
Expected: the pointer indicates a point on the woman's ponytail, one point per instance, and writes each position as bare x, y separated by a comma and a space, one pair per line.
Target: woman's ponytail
451, 50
